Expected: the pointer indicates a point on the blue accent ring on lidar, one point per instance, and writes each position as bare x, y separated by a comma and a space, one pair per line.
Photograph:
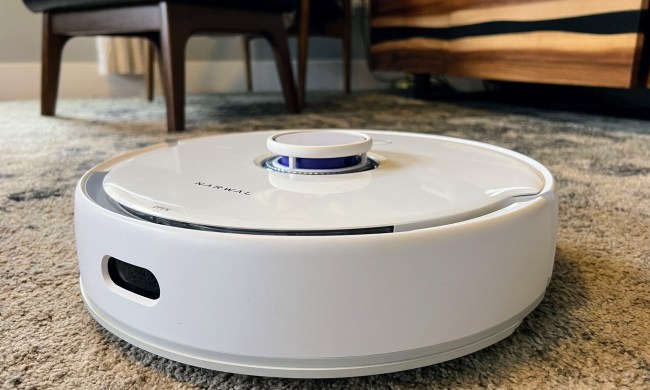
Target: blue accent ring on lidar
322, 163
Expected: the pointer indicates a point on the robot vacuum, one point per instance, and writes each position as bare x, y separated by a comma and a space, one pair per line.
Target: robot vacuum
315, 253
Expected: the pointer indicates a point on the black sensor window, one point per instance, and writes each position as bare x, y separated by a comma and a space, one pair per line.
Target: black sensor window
136, 279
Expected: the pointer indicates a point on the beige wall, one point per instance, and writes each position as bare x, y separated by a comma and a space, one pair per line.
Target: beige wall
20, 36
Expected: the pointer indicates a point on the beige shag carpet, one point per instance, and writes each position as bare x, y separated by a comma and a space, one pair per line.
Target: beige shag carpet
591, 331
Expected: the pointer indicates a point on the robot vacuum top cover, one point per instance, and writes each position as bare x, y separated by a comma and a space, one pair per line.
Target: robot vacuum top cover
408, 181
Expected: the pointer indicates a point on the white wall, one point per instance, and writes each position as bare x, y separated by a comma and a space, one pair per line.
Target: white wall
214, 64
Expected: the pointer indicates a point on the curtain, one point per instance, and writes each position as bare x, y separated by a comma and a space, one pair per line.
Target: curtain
122, 56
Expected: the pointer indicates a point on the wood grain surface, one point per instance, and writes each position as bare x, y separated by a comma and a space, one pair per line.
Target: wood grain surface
436, 13
576, 42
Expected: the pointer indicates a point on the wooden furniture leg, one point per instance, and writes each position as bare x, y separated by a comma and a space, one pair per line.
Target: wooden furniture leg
422, 86
246, 43
173, 38
277, 40
168, 27
303, 50
52, 50
347, 43
340, 29
149, 72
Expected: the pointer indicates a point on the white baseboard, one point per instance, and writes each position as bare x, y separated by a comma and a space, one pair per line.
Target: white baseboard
81, 79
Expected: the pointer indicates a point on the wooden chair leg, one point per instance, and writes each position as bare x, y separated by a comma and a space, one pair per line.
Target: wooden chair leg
52, 50
347, 43
277, 38
246, 45
303, 50
173, 37
149, 73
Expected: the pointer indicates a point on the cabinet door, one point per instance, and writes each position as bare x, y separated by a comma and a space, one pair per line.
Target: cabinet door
578, 42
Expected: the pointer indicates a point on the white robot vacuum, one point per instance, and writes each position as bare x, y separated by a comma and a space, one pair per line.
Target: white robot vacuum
315, 253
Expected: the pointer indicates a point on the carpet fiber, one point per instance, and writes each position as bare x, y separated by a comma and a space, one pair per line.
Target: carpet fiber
592, 330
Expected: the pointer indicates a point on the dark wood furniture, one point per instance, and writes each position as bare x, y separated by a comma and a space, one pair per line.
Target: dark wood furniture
575, 42
168, 25
315, 18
